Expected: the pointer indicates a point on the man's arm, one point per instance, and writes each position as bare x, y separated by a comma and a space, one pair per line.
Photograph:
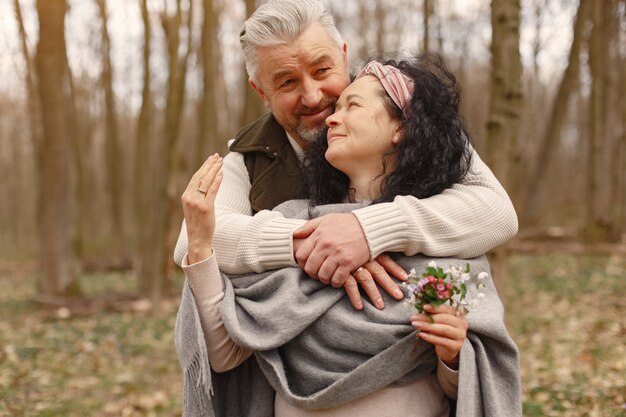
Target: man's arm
245, 243
465, 221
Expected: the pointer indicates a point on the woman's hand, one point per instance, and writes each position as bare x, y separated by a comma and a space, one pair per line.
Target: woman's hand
198, 208
447, 331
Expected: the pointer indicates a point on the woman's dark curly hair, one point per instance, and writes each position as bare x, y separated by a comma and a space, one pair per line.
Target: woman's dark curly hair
433, 154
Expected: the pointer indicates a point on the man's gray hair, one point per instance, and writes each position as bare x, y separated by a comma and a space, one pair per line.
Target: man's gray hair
282, 21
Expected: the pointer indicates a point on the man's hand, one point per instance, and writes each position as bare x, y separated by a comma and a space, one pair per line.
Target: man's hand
334, 246
330, 247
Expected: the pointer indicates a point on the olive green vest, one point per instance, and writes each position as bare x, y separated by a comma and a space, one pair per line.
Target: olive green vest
273, 167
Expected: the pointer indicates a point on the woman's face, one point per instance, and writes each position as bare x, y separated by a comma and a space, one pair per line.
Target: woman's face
361, 131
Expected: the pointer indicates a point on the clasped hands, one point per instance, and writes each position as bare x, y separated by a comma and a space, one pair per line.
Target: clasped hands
330, 248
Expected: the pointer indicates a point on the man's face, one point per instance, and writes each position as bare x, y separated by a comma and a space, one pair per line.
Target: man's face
301, 81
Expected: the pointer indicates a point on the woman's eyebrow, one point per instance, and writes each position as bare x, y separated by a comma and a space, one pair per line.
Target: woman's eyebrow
354, 95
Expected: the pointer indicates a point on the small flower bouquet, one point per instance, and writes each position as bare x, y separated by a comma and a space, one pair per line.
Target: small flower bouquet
437, 287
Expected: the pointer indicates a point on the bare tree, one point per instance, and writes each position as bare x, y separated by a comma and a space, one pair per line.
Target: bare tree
34, 122
156, 261
621, 162
114, 155
207, 131
597, 221
253, 107
613, 78
57, 276
31, 85
558, 115
506, 91
505, 104
426, 16
141, 164
364, 25
381, 13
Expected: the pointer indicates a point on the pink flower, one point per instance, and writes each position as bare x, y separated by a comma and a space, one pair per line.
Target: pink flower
441, 287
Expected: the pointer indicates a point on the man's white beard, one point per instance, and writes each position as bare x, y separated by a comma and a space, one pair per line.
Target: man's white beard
310, 135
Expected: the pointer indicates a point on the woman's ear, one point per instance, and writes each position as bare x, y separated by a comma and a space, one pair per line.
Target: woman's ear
397, 135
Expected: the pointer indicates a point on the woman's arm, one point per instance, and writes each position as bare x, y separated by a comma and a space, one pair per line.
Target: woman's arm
448, 380
245, 243
446, 328
206, 284
203, 274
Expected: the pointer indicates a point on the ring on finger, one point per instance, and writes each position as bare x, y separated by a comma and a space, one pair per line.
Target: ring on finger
356, 271
202, 191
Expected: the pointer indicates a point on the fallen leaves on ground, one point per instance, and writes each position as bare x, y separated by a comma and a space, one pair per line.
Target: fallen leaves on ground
111, 357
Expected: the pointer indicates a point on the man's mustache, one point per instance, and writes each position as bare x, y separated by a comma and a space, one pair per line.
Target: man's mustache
324, 104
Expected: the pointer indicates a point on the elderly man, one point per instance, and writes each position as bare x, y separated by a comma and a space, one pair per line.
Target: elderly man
299, 70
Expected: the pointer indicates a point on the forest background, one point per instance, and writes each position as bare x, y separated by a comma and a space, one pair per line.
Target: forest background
108, 106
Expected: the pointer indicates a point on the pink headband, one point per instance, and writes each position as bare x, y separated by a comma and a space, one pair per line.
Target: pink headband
396, 84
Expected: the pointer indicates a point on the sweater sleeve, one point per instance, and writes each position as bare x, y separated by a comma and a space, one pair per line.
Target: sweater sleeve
448, 379
465, 221
206, 284
245, 243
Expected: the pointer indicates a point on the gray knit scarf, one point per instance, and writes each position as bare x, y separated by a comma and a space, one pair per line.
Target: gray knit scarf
312, 348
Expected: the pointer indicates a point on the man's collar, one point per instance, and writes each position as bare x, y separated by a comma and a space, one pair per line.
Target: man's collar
296, 147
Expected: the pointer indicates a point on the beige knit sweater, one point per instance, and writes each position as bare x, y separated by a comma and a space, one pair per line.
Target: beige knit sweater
464, 221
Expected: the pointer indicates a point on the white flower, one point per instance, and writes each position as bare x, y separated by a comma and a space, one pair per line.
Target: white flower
481, 285
432, 264
465, 277
412, 273
481, 295
482, 275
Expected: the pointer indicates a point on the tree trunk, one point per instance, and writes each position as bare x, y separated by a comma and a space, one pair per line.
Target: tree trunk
618, 164
207, 132
77, 180
426, 40
158, 260
56, 272
615, 78
142, 166
114, 156
34, 113
558, 115
506, 92
31, 86
253, 108
505, 106
621, 197
381, 15
597, 224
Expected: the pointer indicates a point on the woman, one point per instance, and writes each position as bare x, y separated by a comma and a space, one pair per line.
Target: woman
396, 131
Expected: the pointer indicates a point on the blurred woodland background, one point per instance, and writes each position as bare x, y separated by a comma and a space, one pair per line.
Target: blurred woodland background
107, 107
